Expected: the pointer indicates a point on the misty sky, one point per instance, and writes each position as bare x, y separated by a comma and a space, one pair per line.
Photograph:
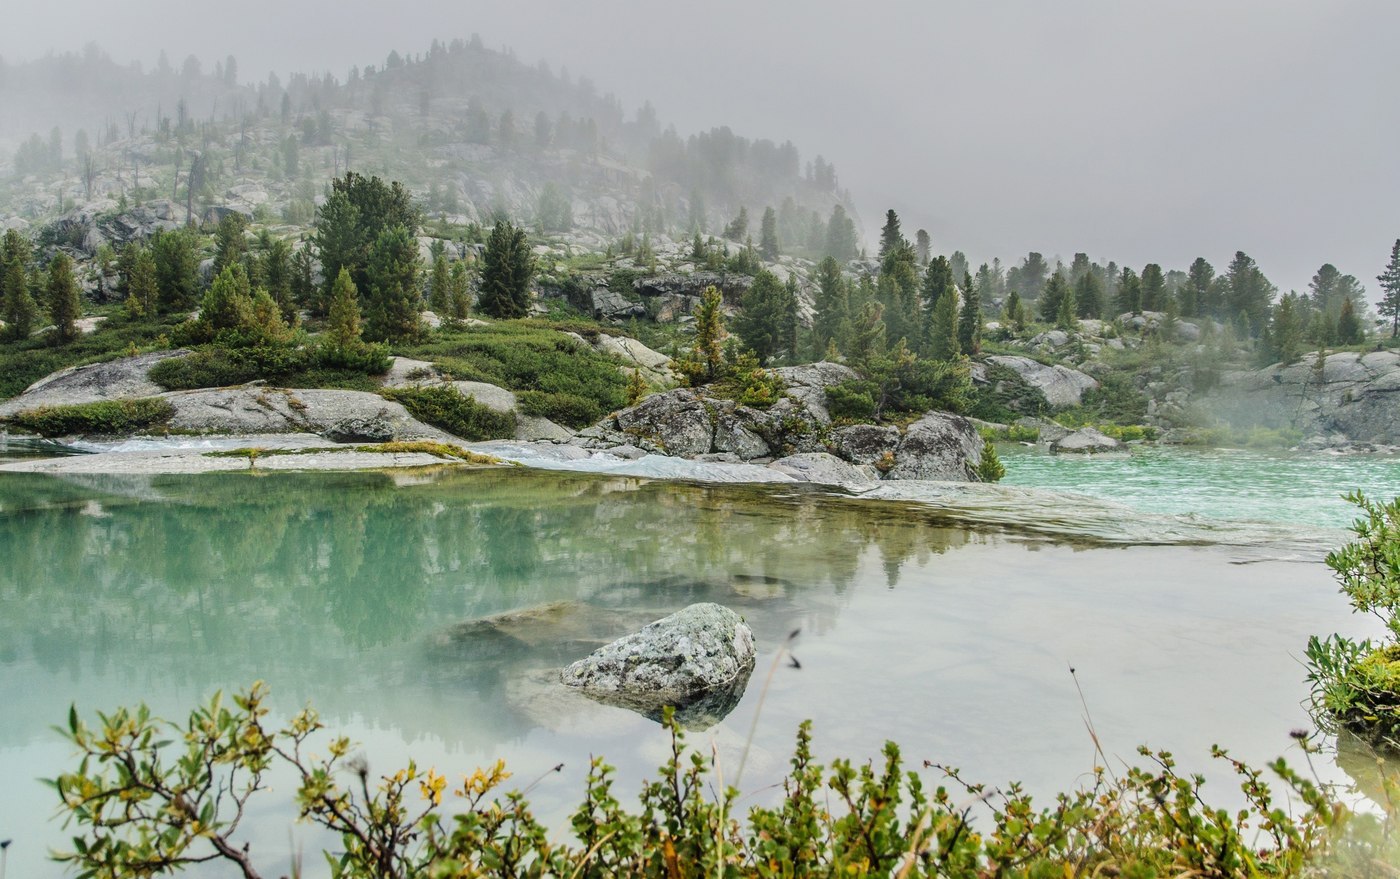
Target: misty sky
1133, 131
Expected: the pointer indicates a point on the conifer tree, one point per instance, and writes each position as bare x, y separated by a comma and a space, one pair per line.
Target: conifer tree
761, 316
1066, 315
923, 246
1088, 295
1048, 306
1129, 296
1283, 339
230, 245
841, 241
831, 307
507, 267
278, 276
738, 228
1248, 292
140, 281
1349, 329
704, 362
1014, 313
176, 255
1152, 288
943, 341
768, 235
787, 319
1196, 293
17, 308
890, 236
1390, 290
64, 304
440, 287
343, 330
460, 300
970, 317
394, 298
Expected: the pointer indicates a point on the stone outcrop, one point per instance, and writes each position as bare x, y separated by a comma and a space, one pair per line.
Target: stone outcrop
125, 377
697, 661
1086, 440
1350, 398
1061, 385
342, 416
404, 372
797, 429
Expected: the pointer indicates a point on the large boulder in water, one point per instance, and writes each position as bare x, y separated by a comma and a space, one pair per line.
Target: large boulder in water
697, 660
939, 446
672, 423
1086, 440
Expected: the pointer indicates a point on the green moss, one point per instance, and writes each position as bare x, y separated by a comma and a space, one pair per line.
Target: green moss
107, 417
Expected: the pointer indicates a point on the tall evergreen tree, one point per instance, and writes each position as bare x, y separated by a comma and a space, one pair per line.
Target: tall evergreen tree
787, 319
440, 287
230, 241
923, 246
278, 276
394, 298
1349, 328
460, 301
507, 267
1031, 275
1129, 296
1283, 342
356, 212
970, 317
841, 241
1056, 289
1248, 292
938, 280
830, 310
17, 306
1152, 289
1066, 315
704, 362
943, 341
768, 236
1196, 294
176, 256
1390, 290
760, 319
890, 236
343, 330
738, 228
1088, 295
140, 281
65, 307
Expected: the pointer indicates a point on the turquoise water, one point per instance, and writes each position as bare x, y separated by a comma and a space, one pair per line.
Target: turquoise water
950, 630
1297, 488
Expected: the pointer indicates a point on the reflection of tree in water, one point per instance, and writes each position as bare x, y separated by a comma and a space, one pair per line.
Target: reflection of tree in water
344, 587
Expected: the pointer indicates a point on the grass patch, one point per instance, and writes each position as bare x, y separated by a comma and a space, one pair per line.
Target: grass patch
106, 417
445, 407
524, 357
217, 367
24, 363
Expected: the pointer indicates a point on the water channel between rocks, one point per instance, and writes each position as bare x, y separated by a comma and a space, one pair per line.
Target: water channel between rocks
948, 630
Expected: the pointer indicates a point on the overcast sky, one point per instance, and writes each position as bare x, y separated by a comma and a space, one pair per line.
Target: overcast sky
1135, 131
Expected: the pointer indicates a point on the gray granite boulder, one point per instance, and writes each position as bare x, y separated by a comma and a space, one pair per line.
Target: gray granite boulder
824, 468
1086, 440
697, 660
123, 378
1061, 385
671, 423
939, 446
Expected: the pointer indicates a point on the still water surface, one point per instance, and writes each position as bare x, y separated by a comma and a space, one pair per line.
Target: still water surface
949, 632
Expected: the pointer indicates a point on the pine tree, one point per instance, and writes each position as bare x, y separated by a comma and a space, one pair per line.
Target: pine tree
890, 236
230, 244
768, 236
1248, 292
923, 247
1129, 296
841, 241
343, 330
1284, 338
440, 287
1066, 315
1152, 288
64, 304
1088, 295
460, 300
938, 280
394, 298
943, 340
278, 276
1390, 290
177, 268
17, 308
140, 280
761, 316
970, 317
1048, 306
787, 319
1014, 313
704, 362
738, 228
507, 267
1349, 329
1197, 299
831, 307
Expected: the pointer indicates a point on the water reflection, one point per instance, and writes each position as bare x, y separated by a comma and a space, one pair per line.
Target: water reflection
345, 587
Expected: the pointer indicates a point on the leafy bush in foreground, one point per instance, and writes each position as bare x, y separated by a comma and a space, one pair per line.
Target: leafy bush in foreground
106, 417
150, 797
445, 407
318, 367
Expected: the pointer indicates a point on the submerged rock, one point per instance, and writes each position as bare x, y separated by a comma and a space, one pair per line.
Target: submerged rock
697, 661
1086, 440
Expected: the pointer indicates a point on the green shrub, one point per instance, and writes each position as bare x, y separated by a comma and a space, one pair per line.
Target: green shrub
523, 357
990, 468
747, 383
317, 367
147, 796
23, 363
445, 407
851, 400
107, 417
1005, 396
567, 409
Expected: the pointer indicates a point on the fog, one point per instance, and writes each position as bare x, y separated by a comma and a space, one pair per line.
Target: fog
1131, 131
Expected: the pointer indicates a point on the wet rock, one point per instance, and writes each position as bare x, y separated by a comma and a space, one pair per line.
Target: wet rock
672, 423
825, 469
808, 384
939, 446
697, 660
1086, 440
864, 443
252, 409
